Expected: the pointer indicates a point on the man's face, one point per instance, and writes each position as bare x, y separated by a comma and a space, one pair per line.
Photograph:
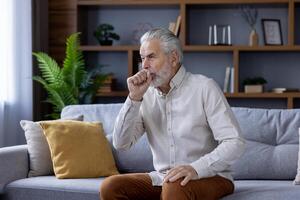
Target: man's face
156, 61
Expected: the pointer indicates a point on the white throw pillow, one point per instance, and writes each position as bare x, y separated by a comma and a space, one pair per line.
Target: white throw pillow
297, 178
40, 163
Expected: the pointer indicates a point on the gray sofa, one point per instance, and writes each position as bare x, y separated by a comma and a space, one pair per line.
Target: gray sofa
265, 171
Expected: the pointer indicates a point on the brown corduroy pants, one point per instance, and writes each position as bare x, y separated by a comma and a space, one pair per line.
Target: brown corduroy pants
139, 187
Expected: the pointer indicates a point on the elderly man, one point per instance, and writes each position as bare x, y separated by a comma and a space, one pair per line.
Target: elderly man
193, 134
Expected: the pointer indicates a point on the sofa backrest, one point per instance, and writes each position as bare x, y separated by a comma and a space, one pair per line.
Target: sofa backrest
105, 113
271, 141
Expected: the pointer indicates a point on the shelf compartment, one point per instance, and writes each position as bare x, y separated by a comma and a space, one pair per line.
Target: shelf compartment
112, 62
201, 16
130, 30
206, 63
273, 66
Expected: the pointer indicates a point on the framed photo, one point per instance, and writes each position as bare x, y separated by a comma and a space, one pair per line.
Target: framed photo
272, 31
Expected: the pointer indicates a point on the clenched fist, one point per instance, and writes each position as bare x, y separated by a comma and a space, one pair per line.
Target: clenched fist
138, 84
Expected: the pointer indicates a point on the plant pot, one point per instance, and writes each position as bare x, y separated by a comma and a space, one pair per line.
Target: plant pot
253, 88
253, 38
106, 42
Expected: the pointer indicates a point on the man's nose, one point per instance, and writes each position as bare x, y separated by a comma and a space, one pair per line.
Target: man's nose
145, 64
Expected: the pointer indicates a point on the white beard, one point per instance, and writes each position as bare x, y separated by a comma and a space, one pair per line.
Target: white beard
161, 77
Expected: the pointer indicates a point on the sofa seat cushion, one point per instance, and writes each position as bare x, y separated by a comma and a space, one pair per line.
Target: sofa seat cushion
264, 190
51, 188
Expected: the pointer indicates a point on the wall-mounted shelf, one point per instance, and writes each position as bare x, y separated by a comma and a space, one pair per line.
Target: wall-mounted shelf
273, 62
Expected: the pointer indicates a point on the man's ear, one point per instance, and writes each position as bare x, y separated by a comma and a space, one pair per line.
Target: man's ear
174, 58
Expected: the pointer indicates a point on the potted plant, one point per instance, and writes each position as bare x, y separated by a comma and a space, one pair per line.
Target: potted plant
254, 85
105, 35
70, 84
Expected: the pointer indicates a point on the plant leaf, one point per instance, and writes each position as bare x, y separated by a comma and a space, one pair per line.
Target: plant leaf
49, 68
74, 67
53, 95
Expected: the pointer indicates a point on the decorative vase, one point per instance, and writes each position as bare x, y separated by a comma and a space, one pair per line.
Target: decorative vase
253, 38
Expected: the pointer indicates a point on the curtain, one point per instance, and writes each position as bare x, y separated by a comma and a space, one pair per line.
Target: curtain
15, 69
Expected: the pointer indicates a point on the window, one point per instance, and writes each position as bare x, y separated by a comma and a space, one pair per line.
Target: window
6, 23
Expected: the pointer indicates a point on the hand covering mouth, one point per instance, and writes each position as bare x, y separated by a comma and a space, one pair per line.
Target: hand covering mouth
153, 75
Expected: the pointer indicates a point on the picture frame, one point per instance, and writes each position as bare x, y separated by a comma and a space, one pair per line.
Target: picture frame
272, 31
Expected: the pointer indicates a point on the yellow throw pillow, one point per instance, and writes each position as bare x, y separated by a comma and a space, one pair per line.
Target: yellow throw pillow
79, 149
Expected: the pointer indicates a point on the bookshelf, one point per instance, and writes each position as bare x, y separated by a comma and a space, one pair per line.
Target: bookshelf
196, 16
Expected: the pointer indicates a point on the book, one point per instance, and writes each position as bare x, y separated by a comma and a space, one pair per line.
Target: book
104, 89
231, 80
109, 79
177, 26
226, 79
108, 85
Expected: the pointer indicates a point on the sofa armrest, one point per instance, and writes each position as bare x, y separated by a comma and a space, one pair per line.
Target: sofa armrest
13, 164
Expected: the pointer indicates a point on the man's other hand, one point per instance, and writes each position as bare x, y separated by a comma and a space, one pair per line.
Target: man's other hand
183, 171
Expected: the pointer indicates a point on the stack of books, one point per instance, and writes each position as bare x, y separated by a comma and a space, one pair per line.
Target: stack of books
107, 85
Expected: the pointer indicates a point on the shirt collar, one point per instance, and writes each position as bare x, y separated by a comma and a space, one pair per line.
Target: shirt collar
175, 81
178, 78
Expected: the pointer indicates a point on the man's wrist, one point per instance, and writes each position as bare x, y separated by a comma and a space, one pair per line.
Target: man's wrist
134, 98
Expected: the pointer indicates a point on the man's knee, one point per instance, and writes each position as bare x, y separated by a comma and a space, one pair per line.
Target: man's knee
173, 190
111, 187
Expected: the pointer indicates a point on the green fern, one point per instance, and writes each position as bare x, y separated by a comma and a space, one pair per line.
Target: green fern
74, 67
65, 85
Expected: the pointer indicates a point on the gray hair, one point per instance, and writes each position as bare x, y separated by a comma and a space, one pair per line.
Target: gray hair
169, 42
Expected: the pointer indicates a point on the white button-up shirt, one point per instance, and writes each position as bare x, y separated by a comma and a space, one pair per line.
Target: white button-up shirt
191, 125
